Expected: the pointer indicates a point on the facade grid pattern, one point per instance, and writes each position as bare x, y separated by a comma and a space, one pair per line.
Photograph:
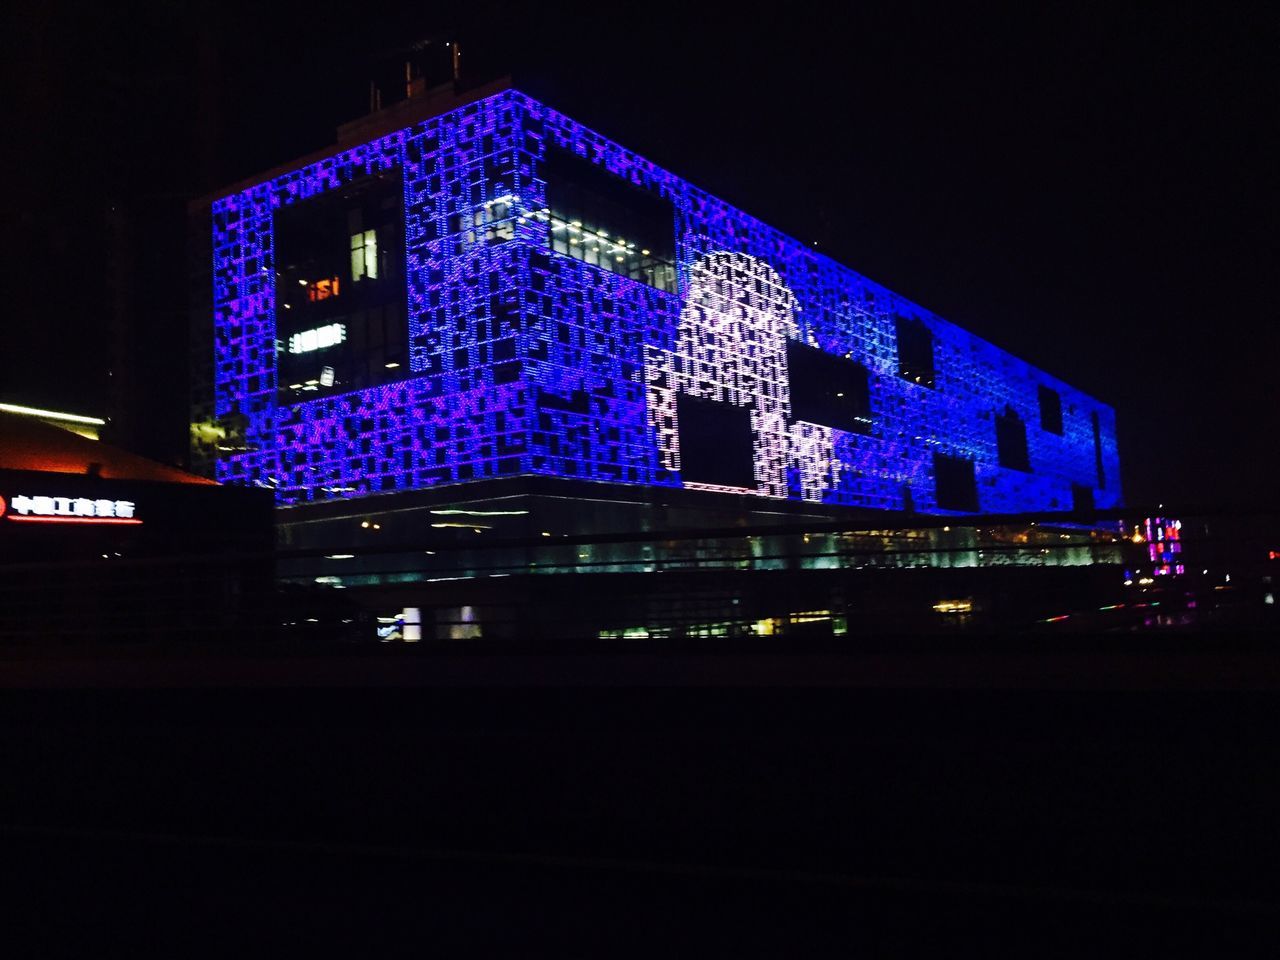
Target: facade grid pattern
525, 360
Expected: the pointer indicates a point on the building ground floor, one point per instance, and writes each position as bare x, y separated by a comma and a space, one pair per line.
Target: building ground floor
542, 557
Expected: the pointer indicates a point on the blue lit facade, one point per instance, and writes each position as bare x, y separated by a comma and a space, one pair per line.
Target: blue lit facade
524, 354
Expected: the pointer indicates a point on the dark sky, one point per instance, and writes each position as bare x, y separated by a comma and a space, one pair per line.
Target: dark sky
1094, 191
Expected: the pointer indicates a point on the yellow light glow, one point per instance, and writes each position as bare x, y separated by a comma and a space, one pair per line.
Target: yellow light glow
50, 414
457, 512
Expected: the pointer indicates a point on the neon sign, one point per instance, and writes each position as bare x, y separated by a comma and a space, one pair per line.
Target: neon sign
42, 509
322, 289
330, 335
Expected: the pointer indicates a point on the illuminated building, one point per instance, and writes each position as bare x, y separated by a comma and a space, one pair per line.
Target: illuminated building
1160, 539
497, 291
475, 335
1164, 545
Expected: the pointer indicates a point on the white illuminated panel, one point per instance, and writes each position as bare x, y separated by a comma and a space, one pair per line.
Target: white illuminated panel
731, 346
329, 335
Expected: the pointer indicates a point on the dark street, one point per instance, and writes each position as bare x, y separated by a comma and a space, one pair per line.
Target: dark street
486, 818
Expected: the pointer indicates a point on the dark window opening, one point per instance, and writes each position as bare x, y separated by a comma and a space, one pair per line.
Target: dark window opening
579, 401
1097, 452
716, 444
340, 296
1082, 500
1011, 442
915, 351
506, 372
1050, 410
829, 390
957, 487
602, 220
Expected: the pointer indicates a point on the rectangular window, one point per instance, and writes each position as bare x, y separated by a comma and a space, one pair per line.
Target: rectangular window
716, 444
364, 255
915, 351
336, 334
1097, 452
956, 485
1011, 442
603, 220
506, 372
828, 390
493, 221
1050, 410
1081, 500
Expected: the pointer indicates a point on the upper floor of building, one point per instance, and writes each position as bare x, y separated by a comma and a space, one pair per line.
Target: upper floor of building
496, 290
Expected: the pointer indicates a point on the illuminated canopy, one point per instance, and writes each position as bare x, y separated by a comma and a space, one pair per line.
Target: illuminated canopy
27, 444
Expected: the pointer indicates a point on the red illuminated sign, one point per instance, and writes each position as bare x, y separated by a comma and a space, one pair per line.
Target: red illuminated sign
322, 289
83, 510
91, 520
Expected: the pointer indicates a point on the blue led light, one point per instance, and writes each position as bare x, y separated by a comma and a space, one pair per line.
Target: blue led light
527, 360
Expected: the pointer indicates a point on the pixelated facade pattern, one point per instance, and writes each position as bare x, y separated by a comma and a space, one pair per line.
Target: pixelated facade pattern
526, 360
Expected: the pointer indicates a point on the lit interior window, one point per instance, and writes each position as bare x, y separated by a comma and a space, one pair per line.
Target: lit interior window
607, 222
364, 255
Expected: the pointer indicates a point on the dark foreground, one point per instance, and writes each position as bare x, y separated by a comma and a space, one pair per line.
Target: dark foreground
706, 818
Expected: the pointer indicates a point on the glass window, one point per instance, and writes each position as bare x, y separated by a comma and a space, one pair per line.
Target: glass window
1050, 410
364, 255
915, 351
1097, 452
331, 333
605, 221
493, 222
1011, 441
956, 486
827, 389
716, 445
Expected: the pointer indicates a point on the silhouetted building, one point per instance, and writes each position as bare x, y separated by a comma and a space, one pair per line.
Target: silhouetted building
98, 543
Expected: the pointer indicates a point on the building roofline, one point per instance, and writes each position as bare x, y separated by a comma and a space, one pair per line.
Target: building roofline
447, 98
399, 116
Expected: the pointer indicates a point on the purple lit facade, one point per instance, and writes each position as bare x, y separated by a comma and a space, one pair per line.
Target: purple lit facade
535, 343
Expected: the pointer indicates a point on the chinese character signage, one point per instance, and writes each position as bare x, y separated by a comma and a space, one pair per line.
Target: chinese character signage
23, 507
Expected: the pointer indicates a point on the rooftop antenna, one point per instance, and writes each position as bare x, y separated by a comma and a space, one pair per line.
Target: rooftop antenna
410, 72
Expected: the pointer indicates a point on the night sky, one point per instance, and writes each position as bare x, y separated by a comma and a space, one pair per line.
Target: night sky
1095, 192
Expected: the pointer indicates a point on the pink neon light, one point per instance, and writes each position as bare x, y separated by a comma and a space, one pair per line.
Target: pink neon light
72, 520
